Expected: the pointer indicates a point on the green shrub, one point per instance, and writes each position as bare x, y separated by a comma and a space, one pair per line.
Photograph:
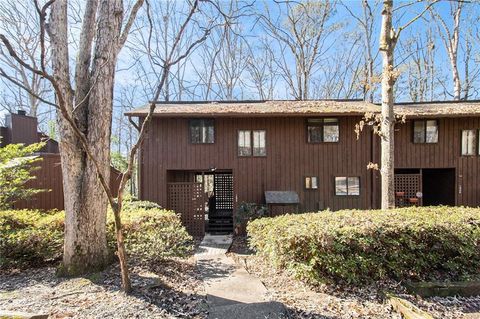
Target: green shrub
151, 234
131, 203
33, 238
364, 246
29, 237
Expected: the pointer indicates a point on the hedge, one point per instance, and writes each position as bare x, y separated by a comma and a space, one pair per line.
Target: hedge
34, 238
359, 247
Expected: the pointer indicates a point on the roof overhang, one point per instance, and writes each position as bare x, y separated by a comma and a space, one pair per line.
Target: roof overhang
324, 108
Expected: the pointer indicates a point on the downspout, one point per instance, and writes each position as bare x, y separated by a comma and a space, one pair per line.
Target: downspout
139, 159
373, 187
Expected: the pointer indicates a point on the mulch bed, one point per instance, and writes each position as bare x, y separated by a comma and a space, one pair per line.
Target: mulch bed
327, 301
170, 289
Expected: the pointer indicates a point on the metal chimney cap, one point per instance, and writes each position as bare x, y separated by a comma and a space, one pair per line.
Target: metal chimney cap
22, 112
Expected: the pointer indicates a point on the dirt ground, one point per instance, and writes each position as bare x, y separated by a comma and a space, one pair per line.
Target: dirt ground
170, 289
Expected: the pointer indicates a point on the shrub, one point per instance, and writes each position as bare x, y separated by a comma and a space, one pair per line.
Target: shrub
247, 212
17, 164
30, 237
151, 234
363, 246
33, 238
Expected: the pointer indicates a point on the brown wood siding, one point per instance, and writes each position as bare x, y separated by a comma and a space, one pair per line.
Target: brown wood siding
444, 154
48, 176
289, 159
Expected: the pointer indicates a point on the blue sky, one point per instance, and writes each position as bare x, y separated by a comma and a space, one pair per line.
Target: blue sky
127, 79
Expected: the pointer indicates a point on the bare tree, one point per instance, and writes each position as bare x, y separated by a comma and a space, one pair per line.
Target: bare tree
16, 23
223, 58
450, 36
262, 69
84, 104
388, 40
419, 51
342, 72
152, 48
366, 21
302, 32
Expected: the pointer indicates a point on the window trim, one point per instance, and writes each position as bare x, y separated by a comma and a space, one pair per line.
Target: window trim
347, 195
305, 183
322, 126
425, 121
189, 127
476, 147
251, 143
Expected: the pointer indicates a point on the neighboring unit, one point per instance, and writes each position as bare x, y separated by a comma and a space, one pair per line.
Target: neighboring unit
20, 128
203, 159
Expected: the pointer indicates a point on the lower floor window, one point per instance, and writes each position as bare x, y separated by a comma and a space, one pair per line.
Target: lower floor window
347, 186
311, 182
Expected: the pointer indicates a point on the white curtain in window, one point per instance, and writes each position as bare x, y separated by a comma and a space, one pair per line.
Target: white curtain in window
468, 142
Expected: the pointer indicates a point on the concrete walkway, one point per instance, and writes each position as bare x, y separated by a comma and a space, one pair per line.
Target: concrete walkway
231, 291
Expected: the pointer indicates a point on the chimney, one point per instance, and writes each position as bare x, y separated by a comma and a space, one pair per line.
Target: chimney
23, 128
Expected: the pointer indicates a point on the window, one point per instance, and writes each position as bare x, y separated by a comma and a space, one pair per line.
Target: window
347, 186
311, 182
468, 142
202, 131
244, 146
252, 143
259, 148
425, 131
323, 130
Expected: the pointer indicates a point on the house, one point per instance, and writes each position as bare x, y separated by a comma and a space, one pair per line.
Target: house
203, 159
21, 128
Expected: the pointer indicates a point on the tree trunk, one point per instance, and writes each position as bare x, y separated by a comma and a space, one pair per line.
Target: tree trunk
387, 46
85, 247
457, 84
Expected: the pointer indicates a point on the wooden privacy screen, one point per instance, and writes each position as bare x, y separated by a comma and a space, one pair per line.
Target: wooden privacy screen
187, 199
223, 189
406, 188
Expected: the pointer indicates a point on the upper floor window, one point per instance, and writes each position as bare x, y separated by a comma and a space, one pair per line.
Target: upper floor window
425, 131
468, 142
323, 130
252, 143
347, 186
202, 131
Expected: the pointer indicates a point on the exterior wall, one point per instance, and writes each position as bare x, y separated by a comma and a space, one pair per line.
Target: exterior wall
444, 154
48, 176
289, 159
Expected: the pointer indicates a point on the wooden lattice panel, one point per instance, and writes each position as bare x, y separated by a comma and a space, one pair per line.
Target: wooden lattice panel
223, 188
409, 185
187, 199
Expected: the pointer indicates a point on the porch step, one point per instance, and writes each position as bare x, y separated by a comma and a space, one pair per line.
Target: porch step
220, 226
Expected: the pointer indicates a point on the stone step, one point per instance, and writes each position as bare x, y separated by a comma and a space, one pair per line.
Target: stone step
269, 309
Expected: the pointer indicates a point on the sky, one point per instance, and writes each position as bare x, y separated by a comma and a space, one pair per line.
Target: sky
135, 77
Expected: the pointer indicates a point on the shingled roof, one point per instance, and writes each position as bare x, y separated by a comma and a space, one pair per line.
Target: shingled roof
303, 108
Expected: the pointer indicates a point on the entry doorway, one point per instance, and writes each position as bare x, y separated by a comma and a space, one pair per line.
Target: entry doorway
438, 186
424, 187
219, 200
